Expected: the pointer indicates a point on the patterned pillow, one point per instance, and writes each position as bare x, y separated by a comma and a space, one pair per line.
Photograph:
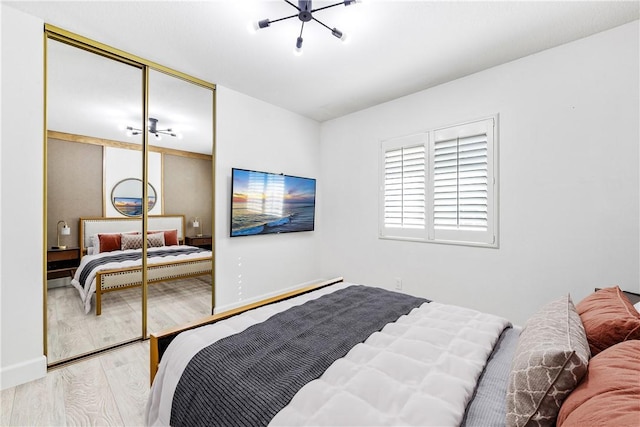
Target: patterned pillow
135, 241
550, 360
155, 240
131, 241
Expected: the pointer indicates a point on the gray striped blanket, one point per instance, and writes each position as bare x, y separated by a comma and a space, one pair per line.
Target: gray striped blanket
134, 256
246, 378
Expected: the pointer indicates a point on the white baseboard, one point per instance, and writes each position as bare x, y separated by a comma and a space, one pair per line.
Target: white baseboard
23, 372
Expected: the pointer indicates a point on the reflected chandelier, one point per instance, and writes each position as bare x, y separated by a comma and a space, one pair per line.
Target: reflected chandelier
305, 14
153, 129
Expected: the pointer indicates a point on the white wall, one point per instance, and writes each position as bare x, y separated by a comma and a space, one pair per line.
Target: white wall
251, 135
254, 135
21, 199
569, 184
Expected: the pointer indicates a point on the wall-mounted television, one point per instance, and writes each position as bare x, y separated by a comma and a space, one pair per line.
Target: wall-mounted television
265, 203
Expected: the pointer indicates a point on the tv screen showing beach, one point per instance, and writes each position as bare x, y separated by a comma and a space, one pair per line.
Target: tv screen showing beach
265, 203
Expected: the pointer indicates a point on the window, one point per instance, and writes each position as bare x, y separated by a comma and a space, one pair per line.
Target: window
440, 186
404, 208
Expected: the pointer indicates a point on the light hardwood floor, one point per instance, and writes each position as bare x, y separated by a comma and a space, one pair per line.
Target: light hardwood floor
109, 389
106, 390
71, 332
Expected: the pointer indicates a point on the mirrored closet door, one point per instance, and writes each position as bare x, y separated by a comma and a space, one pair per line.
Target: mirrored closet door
129, 212
89, 99
181, 114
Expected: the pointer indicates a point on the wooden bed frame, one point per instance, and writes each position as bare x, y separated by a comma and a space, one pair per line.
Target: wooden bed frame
124, 278
160, 341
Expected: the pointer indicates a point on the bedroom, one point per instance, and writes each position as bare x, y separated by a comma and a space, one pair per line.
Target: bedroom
553, 104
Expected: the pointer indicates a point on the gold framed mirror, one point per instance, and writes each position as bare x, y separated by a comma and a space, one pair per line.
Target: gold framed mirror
93, 166
126, 197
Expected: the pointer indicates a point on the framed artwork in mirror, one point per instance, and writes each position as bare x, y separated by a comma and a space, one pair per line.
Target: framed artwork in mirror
126, 197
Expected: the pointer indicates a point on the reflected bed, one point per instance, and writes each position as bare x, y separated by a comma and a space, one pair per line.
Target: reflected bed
111, 255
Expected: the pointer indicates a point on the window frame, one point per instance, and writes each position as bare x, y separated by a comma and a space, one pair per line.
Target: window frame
488, 237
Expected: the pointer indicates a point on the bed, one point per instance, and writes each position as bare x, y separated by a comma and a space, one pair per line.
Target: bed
111, 255
435, 364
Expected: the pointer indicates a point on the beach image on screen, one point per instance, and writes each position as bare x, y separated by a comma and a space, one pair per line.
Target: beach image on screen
265, 203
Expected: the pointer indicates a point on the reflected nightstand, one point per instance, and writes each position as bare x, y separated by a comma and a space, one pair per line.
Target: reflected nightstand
199, 241
62, 262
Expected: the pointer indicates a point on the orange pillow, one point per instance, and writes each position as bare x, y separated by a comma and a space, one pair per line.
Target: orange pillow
109, 242
608, 318
170, 237
609, 394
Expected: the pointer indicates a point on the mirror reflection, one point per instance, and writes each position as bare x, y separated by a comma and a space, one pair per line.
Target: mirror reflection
88, 95
95, 181
182, 132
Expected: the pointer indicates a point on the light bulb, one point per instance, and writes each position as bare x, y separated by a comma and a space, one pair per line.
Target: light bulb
298, 49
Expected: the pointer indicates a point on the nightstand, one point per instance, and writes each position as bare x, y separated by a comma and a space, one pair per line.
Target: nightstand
62, 262
632, 296
199, 241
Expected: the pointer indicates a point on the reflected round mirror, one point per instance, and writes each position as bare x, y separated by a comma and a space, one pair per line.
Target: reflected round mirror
126, 197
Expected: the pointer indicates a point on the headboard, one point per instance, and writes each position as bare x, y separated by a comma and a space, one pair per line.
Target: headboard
95, 225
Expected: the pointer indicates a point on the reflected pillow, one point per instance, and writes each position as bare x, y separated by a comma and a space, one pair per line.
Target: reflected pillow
112, 242
134, 241
94, 242
609, 318
170, 236
109, 242
155, 240
131, 241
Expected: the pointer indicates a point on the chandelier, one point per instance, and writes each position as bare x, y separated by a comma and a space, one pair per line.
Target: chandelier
153, 129
305, 14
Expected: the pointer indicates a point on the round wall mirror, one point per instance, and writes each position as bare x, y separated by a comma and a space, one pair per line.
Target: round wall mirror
126, 197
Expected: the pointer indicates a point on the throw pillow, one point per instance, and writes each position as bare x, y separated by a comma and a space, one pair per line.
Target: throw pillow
608, 318
550, 360
609, 395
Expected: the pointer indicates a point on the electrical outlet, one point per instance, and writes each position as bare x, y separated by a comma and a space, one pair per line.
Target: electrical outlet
398, 283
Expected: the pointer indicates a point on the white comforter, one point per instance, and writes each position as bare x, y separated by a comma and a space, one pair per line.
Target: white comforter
418, 371
89, 288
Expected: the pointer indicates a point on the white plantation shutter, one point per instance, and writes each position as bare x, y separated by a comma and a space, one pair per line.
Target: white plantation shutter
403, 189
463, 181
440, 186
460, 183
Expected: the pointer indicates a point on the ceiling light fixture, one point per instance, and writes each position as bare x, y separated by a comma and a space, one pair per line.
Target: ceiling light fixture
305, 14
153, 129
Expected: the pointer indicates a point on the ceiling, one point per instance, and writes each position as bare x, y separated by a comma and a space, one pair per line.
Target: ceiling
91, 95
395, 48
